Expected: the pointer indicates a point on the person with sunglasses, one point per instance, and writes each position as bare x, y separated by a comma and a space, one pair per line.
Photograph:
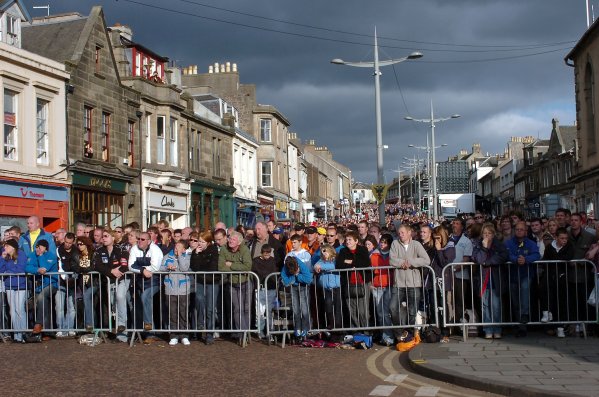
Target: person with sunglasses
145, 258
111, 261
89, 283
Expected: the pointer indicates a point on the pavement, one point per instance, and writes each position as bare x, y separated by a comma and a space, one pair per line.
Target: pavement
537, 365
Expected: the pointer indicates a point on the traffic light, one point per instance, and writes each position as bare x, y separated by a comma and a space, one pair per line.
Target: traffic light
425, 203
358, 207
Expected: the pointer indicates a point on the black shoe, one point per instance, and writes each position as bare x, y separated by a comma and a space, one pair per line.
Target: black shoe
209, 340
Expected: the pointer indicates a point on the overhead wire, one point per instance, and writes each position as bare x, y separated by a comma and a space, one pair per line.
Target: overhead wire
314, 37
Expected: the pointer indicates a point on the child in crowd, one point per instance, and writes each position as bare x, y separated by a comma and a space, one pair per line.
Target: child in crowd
298, 275
264, 265
297, 251
329, 284
177, 288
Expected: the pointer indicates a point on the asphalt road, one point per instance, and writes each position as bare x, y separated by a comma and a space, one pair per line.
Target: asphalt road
63, 367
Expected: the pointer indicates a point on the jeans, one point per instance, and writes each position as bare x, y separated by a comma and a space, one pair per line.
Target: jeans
147, 301
240, 298
266, 302
88, 304
332, 307
520, 296
206, 298
300, 305
16, 301
65, 321
122, 298
381, 297
403, 306
43, 306
491, 310
178, 314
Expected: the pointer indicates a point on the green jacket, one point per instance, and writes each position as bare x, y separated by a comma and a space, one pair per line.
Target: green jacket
242, 262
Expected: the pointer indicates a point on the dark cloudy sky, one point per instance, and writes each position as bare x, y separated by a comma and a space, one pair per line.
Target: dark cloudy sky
478, 62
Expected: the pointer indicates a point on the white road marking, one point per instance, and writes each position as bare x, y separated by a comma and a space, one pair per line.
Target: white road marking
427, 391
382, 390
396, 378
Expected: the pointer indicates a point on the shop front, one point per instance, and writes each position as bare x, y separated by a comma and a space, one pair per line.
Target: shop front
245, 212
294, 211
281, 209
168, 206
267, 207
98, 200
20, 199
211, 203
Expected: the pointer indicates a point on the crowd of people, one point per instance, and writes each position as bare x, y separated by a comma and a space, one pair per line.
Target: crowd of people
357, 273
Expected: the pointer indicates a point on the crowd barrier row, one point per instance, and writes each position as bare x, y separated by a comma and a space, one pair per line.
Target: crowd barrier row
382, 300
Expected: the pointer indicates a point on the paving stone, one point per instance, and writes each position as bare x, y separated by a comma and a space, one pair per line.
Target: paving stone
566, 381
567, 373
517, 380
541, 367
522, 373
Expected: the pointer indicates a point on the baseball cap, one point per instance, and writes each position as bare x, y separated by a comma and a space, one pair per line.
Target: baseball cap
277, 230
322, 231
299, 226
310, 230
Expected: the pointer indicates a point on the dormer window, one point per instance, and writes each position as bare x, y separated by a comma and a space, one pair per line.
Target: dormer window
10, 32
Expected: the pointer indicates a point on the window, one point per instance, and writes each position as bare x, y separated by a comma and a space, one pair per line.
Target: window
148, 138
105, 136
12, 30
97, 59
137, 64
130, 148
265, 135
195, 150
266, 173
88, 150
173, 142
531, 183
42, 132
10, 125
160, 144
216, 165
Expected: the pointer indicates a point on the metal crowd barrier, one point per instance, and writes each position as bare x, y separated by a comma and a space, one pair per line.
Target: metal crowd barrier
62, 303
354, 305
545, 292
185, 303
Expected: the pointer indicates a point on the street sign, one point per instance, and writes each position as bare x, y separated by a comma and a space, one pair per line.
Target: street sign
380, 192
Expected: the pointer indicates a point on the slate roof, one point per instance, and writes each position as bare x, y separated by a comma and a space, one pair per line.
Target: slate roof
54, 40
568, 135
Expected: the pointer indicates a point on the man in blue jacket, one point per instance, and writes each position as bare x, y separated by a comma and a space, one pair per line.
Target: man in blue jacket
39, 263
35, 233
523, 252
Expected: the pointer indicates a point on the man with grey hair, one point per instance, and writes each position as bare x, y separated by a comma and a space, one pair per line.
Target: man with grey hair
264, 237
235, 257
80, 230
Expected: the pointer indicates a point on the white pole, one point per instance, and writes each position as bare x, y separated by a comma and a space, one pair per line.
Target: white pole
588, 16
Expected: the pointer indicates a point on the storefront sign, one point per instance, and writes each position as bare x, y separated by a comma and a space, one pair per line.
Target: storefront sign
167, 202
33, 191
100, 183
281, 205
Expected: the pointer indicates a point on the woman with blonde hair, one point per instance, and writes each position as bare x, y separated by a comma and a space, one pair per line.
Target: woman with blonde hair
490, 254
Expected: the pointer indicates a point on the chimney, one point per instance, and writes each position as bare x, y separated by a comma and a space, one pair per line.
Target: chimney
210, 69
195, 69
228, 67
235, 67
124, 31
216, 67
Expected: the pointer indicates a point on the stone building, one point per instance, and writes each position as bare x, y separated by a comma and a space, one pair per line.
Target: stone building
103, 117
264, 122
33, 178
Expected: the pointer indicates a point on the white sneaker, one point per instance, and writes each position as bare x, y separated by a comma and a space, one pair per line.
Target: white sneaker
560, 333
174, 342
72, 333
185, 342
60, 334
547, 316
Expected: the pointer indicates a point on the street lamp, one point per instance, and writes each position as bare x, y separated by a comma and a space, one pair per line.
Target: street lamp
432, 122
415, 164
377, 106
428, 165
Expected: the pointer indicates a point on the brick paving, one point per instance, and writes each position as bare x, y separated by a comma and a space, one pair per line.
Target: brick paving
537, 365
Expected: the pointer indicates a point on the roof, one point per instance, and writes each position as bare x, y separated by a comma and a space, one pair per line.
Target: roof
586, 39
568, 135
54, 40
246, 135
6, 4
128, 43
